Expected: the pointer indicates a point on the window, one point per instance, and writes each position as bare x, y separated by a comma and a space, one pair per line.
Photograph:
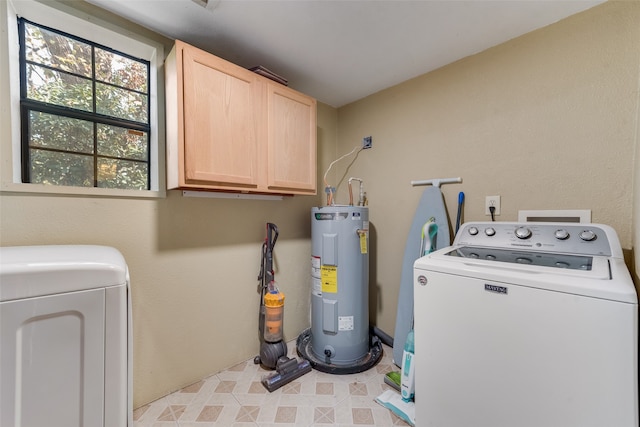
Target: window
85, 112
84, 109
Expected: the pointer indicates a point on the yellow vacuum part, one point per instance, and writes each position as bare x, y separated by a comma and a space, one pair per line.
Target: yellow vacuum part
274, 300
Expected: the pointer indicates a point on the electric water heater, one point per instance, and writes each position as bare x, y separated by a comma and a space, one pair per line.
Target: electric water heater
340, 283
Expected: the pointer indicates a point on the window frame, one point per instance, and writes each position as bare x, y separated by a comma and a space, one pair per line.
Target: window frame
77, 24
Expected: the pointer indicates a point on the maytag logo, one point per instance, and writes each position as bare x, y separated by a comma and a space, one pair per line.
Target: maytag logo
496, 289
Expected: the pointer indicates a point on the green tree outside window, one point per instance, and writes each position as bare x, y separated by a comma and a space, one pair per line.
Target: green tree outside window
85, 112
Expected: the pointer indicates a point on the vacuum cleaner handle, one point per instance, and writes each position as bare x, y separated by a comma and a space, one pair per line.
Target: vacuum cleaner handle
270, 242
267, 253
272, 235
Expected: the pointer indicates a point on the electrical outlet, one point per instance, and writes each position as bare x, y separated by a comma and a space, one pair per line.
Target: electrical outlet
492, 201
366, 142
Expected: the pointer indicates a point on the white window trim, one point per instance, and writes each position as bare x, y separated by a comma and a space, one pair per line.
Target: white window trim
64, 18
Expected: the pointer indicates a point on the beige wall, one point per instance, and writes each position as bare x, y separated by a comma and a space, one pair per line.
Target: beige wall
636, 198
547, 121
193, 265
194, 262
636, 191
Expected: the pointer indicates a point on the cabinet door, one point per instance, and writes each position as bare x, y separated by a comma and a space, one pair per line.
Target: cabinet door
291, 140
220, 141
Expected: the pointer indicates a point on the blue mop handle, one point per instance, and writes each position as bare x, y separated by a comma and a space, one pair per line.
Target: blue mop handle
460, 203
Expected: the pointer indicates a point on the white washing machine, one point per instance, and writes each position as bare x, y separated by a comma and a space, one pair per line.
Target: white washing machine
65, 337
526, 325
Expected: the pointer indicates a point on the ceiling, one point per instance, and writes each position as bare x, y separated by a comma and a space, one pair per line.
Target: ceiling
339, 51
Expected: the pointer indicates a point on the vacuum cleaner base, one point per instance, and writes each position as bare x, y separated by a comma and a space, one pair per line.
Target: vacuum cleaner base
287, 370
368, 361
270, 353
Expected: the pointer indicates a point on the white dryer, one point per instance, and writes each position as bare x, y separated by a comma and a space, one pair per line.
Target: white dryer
527, 325
65, 341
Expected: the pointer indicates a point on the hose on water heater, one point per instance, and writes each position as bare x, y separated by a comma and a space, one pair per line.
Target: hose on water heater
328, 189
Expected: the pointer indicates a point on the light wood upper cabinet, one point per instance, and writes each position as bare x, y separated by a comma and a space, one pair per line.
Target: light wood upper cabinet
291, 129
231, 129
219, 122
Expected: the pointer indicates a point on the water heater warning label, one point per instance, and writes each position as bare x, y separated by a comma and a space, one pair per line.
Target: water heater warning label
329, 277
316, 286
315, 266
363, 241
345, 323
316, 280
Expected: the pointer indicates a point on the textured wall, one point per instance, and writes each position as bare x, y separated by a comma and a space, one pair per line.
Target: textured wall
194, 262
547, 121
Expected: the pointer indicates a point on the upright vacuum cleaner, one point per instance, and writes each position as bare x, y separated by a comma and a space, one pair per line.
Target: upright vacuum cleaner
273, 349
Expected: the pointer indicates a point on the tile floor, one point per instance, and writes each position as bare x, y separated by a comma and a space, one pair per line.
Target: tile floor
236, 397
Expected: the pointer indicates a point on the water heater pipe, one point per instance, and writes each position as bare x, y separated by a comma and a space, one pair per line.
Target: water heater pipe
361, 199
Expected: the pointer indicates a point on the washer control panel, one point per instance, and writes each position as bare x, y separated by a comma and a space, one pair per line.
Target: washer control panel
584, 239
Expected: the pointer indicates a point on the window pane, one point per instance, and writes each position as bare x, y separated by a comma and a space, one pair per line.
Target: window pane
122, 174
120, 71
49, 167
121, 103
121, 142
72, 145
58, 88
55, 50
61, 133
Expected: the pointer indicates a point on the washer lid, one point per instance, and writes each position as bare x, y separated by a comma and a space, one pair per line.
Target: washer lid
542, 259
30, 271
605, 278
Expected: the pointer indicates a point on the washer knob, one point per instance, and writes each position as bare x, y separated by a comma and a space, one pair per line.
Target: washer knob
473, 231
523, 233
561, 234
588, 235
490, 231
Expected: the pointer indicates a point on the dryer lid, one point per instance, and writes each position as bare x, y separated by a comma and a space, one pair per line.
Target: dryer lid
30, 271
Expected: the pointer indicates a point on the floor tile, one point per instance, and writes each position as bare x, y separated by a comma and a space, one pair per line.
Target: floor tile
236, 397
209, 413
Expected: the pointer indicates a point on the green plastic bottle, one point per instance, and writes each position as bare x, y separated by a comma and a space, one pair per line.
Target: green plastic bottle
407, 387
